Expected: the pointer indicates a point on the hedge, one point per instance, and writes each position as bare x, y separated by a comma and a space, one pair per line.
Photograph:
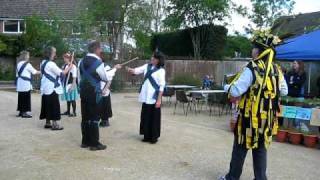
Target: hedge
179, 43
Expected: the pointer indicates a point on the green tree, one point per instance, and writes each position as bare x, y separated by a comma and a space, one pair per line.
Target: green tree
265, 12
240, 44
107, 18
41, 33
138, 25
194, 13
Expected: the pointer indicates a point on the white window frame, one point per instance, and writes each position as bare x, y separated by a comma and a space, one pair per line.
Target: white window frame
76, 33
19, 22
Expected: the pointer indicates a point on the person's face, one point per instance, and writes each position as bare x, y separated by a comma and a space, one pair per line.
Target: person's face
255, 53
28, 57
154, 61
66, 60
99, 51
295, 65
53, 54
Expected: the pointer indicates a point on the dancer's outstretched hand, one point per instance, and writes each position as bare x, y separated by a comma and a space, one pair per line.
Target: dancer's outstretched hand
118, 66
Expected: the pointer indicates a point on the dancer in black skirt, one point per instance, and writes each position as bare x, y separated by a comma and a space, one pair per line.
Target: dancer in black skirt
150, 96
51, 89
24, 86
92, 72
105, 108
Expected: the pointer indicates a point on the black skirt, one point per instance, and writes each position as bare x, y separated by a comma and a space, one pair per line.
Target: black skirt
150, 125
50, 107
105, 109
24, 101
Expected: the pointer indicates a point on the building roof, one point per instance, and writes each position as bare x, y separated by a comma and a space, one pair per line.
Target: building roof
288, 26
66, 9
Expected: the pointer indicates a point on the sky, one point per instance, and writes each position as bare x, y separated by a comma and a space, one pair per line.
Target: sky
301, 6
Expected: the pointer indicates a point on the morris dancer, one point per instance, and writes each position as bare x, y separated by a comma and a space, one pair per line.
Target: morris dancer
92, 72
24, 86
70, 89
150, 96
259, 88
50, 89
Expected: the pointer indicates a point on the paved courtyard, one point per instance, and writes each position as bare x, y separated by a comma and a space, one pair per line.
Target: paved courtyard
197, 147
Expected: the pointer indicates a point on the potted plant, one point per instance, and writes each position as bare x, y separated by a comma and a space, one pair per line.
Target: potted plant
310, 140
295, 137
282, 135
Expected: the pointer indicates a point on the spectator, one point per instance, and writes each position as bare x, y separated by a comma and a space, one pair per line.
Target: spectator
296, 79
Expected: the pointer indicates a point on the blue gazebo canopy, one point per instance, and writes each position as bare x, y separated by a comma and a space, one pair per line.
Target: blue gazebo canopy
305, 47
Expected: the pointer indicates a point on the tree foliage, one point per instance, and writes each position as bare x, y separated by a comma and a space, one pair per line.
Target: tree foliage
239, 44
194, 13
41, 33
265, 12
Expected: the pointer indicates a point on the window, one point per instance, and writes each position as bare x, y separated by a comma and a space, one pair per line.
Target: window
77, 29
13, 26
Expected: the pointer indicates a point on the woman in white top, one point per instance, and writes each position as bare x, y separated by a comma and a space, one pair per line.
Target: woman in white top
23, 83
50, 89
150, 96
70, 89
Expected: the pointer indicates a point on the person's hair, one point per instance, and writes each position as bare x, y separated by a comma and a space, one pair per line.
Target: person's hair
93, 46
48, 52
301, 67
160, 56
23, 56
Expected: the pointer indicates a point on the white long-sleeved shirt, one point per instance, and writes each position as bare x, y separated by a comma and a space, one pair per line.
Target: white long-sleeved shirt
110, 74
245, 81
47, 86
23, 85
147, 90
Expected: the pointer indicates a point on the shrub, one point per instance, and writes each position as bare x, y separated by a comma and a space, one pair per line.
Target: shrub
179, 43
11, 45
186, 79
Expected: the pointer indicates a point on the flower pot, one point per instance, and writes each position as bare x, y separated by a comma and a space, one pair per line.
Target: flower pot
295, 138
282, 136
310, 141
232, 125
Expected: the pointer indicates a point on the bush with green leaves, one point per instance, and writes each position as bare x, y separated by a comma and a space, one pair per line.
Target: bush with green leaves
179, 43
240, 44
186, 79
11, 45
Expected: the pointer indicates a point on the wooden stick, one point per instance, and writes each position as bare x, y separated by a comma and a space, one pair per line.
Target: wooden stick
134, 59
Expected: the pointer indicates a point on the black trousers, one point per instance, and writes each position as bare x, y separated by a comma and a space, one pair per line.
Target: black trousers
239, 154
105, 110
90, 123
150, 125
24, 101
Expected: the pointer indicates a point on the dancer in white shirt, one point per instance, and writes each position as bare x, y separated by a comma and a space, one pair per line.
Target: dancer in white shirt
70, 87
23, 83
150, 96
51, 88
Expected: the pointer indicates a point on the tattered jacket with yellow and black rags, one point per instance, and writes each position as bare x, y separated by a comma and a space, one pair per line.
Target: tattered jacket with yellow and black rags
258, 107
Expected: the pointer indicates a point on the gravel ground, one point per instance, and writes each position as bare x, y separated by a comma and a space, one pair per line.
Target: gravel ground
190, 148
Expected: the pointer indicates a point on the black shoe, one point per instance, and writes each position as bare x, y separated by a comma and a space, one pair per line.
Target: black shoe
84, 146
72, 115
154, 141
48, 126
25, 115
57, 128
19, 115
104, 124
145, 140
65, 113
98, 147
